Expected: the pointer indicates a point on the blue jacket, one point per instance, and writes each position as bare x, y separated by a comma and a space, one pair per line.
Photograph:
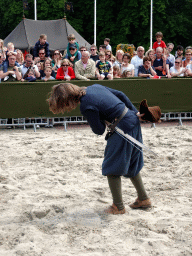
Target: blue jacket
39, 46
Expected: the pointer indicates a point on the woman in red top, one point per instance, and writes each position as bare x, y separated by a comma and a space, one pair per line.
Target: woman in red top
65, 72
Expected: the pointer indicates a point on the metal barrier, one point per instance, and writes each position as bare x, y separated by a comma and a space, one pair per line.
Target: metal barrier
51, 121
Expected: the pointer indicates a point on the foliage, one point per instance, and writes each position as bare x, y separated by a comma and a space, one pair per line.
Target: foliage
124, 22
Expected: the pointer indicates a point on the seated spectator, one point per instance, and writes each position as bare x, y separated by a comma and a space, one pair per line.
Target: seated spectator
179, 52
171, 57
56, 60
85, 68
47, 71
188, 55
73, 50
150, 53
19, 57
94, 56
47, 63
126, 74
146, 70
106, 43
178, 70
103, 68
119, 58
65, 72
126, 66
160, 63
138, 60
41, 44
29, 76
116, 72
159, 42
112, 60
29, 65
13, 72
72, 41
102, 48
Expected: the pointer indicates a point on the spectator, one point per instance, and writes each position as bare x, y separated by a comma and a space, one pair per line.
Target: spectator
41, 53
159, 42
82, 49
108, 55
160, 63
134, 53
146, 70
72, 41
56, 60
171, 57
1, 59
41, 44
116, 72
48, 71
179, 52
178, 70
188, 55
126, 66
2, 49
94, 56
126, 74
112, 60
29, 65
73, 50
102, 48
168, 64
151, 55
29, 76
138, 60
19, 57
65, 72
13, 72
10, 51
85, 68
47, 63
106, 43
119, 58
103, 68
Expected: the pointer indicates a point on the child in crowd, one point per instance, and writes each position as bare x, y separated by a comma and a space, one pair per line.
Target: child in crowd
10, 51
41, 43
103, 68
116, 72
159, 42
47, 71
126, 73
72, 41
29, 75
106, 43
102, 48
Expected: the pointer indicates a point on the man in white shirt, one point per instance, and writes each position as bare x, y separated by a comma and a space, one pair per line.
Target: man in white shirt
138, 60
29, 64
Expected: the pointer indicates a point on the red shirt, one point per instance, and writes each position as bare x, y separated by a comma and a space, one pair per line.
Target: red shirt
60, 73
162, 45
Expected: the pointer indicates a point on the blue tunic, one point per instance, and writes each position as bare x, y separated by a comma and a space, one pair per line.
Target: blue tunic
102, 103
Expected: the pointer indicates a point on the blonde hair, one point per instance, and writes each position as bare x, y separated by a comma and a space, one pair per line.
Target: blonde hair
22, 57
2, 43
10, 44
65, 97
65, 61
43, 36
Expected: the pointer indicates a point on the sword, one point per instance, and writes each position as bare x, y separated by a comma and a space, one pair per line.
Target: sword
130, 138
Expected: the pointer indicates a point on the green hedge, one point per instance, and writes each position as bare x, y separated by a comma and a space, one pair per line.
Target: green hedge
29, 99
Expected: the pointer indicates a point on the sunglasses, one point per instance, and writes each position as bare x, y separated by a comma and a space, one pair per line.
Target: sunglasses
108, 55
83, 50
71, 49
93, 49
56, 53
65, 65
71, 38
41, 53
177, 62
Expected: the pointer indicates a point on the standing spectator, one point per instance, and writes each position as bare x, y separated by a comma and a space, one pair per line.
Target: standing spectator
119, 58
73, 50
179, 52
85, 68
126, 66
41, 44
19, 57
72, 41
159, 42
47, 63
103, 68
48, 71
106, 43
13, 72
178, 70
41, 53
56, 60
160, 63
29, 65
138, 60
65, 72
94, 56
146, 70
188, 55
171, 57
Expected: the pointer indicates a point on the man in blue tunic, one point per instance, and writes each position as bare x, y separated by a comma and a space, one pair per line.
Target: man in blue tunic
101, 105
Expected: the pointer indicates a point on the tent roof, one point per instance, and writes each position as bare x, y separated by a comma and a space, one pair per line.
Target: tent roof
27, 33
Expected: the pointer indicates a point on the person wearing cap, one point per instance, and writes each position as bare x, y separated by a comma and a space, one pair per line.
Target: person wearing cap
75, 54
102, 107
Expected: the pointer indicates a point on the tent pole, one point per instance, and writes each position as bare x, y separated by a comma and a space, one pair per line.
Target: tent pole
95, 15
151, 25
35, 9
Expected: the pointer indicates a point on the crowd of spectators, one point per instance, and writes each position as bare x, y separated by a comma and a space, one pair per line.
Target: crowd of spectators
78, 62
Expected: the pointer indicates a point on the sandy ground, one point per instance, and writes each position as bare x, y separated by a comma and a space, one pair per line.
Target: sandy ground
52, 195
